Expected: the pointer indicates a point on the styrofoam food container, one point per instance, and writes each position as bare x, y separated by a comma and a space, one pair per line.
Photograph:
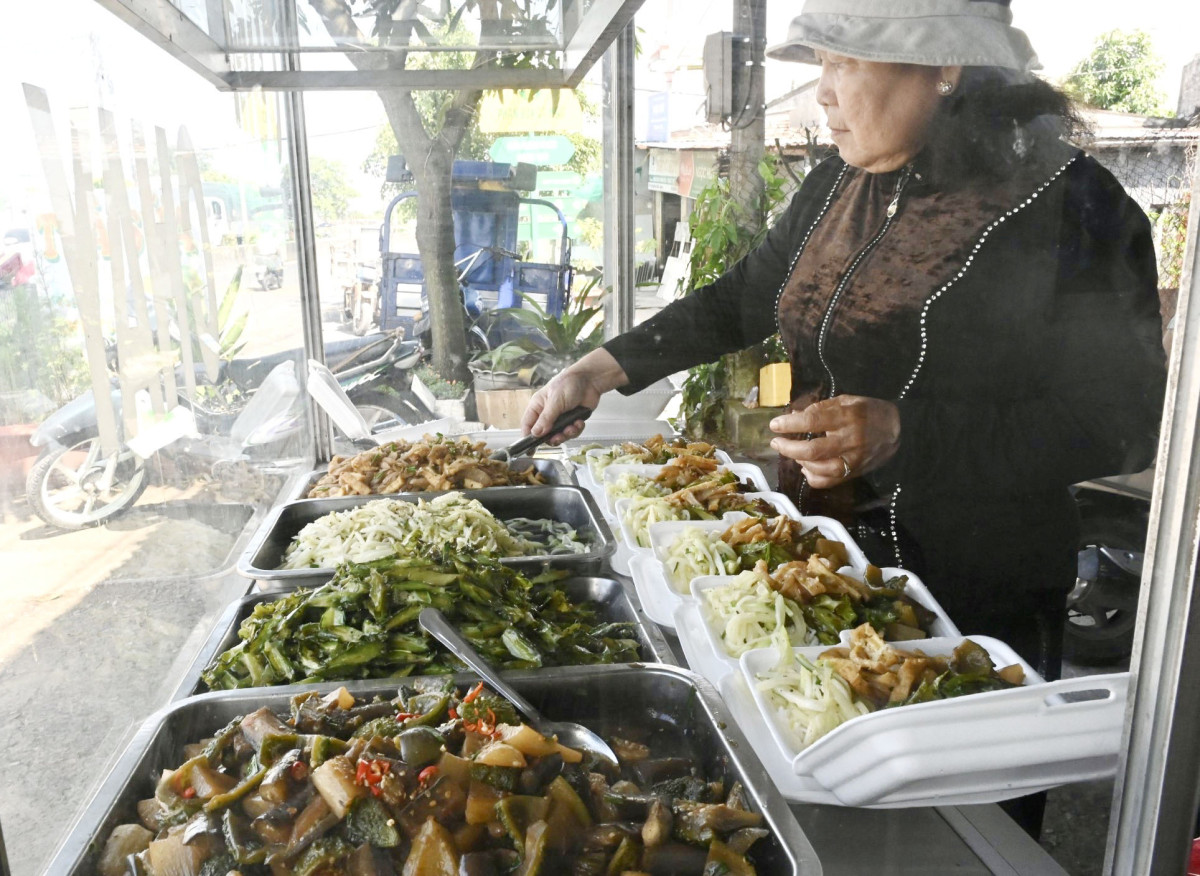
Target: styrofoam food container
754, 663
744, 470
708, 638
664, 533
940, 790
986, 746
593, 455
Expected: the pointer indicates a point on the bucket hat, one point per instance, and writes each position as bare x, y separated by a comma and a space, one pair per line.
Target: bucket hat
930, 32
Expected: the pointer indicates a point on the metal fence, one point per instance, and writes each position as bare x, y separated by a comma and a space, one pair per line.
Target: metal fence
1158, 174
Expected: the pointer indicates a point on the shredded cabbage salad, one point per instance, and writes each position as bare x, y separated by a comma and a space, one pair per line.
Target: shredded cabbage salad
650, 509
695, 552
749, 614
553, 537
635, 486
808, 699
391, 527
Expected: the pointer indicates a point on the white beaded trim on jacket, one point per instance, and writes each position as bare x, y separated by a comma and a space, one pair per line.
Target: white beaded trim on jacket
892, 526
800, 249
963, 270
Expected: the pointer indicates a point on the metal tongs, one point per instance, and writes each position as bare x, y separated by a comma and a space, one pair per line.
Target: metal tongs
568, 733
531, 441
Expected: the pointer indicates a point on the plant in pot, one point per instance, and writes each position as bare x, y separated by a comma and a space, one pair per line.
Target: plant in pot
447, 397
721, 235
550, 343
219, 403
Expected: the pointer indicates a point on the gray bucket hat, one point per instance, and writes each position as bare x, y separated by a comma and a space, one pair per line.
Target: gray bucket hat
931, 32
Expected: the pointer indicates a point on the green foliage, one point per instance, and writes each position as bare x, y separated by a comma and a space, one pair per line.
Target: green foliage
1119, 75
231, 322
567, 334
331, 193
40, 355
1171, 231
559, 340
436, 384
721, 236
702, 408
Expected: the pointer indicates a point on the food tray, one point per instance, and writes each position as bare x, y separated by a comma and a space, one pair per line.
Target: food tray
707, 655
566, 503
660, 599
615, 601
553, 470
603, 696
745, 471
585, 469
975, 749
782, 504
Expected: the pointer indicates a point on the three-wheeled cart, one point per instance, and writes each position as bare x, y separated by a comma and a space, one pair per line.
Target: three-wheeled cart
487, 201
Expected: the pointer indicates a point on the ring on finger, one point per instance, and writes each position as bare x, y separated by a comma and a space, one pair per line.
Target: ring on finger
845, 467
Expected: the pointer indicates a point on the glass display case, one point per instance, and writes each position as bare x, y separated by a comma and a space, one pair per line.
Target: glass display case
266, 260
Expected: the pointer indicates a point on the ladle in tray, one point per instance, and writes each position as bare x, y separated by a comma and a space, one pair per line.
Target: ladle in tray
568, 733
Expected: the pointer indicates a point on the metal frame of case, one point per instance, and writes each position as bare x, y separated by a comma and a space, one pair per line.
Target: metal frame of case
1159, 778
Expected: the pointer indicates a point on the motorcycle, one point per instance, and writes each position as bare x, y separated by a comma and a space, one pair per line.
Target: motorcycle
268, 261
1102, 607
77, 484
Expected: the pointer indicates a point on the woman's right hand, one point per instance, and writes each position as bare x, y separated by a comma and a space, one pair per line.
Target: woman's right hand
579, 384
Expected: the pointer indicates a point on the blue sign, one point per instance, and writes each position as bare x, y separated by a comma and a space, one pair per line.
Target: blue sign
658, 125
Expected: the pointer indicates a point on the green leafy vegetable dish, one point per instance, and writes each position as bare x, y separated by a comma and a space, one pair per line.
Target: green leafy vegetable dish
363, 624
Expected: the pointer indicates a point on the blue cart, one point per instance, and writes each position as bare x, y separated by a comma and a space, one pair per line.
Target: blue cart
486, 201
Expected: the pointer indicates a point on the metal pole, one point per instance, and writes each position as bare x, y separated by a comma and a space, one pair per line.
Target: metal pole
306, 241
618, 182
1158, 782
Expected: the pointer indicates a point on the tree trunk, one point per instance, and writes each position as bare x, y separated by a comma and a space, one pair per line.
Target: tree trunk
430, 157
748, 135
435, 242
431, 161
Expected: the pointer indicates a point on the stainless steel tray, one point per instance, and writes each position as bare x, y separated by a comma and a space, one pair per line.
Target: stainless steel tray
570, 504
553, 470
615, 599
608, 698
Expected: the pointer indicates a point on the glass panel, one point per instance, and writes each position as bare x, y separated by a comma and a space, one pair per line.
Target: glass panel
148, 261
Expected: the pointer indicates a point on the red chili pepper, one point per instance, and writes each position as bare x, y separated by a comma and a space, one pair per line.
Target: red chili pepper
453, 714
426, 774
189, 792
475, 691
370, 773
404, 716
299, 770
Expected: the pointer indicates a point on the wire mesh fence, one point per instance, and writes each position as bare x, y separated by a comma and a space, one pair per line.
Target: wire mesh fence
1159, 174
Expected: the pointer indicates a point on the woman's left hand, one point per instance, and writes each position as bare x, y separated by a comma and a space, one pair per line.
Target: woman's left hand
854, 435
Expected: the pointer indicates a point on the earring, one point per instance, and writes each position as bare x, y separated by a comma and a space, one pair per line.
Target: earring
945, 87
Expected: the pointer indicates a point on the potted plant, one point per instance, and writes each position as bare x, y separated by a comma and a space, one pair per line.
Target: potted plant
549, 344
447, 398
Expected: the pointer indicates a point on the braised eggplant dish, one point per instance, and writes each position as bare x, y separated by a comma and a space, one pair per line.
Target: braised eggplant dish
438, 781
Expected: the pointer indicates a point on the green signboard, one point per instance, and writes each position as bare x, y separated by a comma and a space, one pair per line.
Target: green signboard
542, 151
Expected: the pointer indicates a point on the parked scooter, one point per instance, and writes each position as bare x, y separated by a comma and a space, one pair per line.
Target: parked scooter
76, 484
1102, 608
268, 261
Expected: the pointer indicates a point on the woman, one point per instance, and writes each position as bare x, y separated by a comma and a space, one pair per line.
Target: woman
969, 304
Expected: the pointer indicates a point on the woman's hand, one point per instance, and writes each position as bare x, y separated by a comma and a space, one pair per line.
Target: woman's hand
579, 384
859, 435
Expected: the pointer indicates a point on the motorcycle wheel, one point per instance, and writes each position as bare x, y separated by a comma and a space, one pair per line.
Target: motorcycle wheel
1102, 611
380, 407
74, 485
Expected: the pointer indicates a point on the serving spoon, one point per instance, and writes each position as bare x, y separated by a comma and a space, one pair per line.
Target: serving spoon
568, 733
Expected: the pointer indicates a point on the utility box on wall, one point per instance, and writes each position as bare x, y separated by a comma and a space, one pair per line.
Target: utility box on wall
727, 89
